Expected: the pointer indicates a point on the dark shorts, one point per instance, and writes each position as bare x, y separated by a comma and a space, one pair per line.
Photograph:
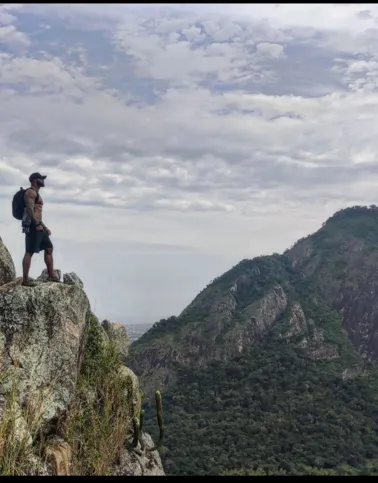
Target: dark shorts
37, 241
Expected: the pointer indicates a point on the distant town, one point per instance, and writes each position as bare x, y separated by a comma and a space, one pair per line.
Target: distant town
137, 330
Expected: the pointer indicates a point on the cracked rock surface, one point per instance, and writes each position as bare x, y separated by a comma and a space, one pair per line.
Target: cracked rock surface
7, 269
41, 342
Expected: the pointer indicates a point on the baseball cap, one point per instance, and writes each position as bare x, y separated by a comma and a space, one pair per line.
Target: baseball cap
35, 176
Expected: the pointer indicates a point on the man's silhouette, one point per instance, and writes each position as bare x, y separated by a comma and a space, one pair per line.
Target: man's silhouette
37, 235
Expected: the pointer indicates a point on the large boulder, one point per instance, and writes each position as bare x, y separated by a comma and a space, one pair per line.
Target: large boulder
133, 392
7, 269
73, 279
68, 278
140, 462
42, 331
45, 276
118, 334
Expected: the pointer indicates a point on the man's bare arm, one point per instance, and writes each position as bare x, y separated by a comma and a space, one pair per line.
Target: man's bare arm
30, 197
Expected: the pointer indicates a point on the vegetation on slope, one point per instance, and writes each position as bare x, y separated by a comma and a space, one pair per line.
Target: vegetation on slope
100, 417
273, 409
356, 221
262, 273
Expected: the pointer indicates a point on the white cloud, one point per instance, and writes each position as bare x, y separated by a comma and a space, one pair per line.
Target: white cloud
178, 140
273, 50
10, 35
315, 15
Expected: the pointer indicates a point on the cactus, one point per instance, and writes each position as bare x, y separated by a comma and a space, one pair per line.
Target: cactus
138, 425
159, 415
136, 437
141, 420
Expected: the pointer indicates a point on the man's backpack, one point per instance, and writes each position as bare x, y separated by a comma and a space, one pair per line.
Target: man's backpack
18, 203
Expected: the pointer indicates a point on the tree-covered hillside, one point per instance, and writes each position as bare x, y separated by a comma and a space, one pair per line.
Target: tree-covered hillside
272, 367
271, 408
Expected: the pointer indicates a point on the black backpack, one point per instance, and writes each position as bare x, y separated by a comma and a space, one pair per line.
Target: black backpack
18, 203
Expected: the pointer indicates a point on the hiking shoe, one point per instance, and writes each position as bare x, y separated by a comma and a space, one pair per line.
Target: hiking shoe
53, 279
29, 283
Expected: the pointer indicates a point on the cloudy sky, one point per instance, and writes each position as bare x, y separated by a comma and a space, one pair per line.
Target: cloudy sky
180, 139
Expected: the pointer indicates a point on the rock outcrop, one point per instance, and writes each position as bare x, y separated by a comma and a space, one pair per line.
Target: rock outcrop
72, 279
47, 332
309, 337
225, 332
140, 463
43, 336
44, 275
118, 334
7, 269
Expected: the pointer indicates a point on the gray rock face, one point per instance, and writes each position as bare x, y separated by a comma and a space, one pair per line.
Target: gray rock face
118, 334
297, 321
312, 337
134, 388
41, 339
155, 362
72, 279
7, 269
140, 462
259, 317
44, 275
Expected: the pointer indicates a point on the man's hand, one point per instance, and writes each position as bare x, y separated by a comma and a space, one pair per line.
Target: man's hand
45, 229
39, 228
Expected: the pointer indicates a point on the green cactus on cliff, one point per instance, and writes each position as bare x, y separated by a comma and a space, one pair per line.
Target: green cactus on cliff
141, 420
137, 432
159, 415
138, 425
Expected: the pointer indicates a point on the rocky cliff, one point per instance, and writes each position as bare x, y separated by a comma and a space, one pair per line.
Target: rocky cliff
67, 402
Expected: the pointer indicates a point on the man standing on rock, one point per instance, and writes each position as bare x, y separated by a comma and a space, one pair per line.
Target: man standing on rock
37, 235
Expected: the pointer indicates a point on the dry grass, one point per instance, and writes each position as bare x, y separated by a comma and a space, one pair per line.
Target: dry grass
93, 431
19, 430
99, 419
59, 454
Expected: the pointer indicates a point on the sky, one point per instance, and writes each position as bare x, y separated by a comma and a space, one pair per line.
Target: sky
180, 139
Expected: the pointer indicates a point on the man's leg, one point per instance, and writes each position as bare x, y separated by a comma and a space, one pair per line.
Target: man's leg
49, 262
26, 266
48, 247
29, 250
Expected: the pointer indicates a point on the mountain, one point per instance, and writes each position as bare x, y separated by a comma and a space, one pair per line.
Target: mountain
272, 367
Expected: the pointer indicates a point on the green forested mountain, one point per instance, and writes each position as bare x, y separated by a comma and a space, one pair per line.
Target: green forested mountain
272, 367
